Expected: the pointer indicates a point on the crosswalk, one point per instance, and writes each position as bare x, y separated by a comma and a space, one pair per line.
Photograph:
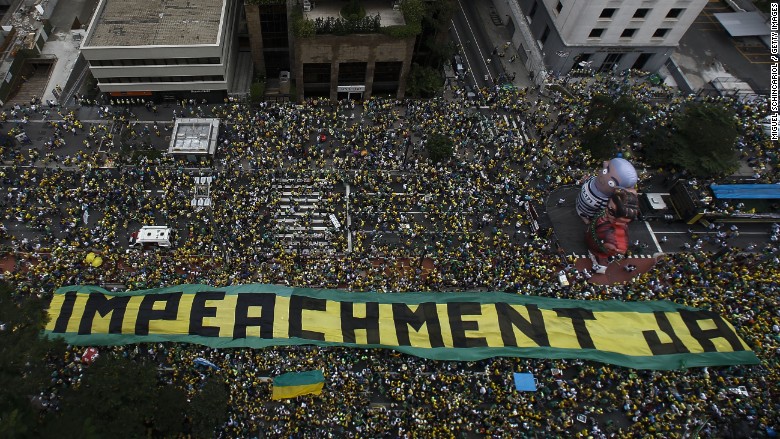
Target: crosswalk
508, 127
516, 126
300, 221
638, 256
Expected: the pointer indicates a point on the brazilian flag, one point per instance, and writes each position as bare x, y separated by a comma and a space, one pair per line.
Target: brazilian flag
290, 385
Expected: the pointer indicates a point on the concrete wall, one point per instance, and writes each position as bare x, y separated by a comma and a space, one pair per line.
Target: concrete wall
369, 48
569, 31
255, 36
578, 17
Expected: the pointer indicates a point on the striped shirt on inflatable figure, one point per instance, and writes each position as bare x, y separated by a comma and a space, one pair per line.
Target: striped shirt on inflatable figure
596, 191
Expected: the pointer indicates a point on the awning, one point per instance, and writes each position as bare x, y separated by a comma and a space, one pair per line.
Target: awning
743, 24
746, 191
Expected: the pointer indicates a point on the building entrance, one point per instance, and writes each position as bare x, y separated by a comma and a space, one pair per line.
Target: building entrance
351, 92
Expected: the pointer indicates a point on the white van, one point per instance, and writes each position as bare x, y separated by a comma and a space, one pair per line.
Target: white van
159, 236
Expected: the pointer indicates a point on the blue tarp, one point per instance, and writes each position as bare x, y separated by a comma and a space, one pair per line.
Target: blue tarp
525, 382
746, 191
205, 363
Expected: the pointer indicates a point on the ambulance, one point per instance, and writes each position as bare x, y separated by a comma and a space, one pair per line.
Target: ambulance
153, 236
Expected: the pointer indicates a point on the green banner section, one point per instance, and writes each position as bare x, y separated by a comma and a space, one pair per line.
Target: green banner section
443, 326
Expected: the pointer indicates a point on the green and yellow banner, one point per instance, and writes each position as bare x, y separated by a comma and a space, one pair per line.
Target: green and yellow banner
292, 384
442, 326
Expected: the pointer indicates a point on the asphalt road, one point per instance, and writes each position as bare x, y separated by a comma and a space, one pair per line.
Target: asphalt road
425, 214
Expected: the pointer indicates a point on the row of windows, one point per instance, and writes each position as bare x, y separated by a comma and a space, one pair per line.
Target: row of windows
641, 13
152, 62
273, 24
352, 72
607, 13
136, 80
661, 32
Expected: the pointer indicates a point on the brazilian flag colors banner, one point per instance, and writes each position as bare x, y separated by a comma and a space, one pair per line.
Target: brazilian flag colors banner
442, 326
292, 384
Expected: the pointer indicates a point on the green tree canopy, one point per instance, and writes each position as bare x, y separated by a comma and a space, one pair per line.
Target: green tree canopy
24, 369
609, 123
119, 397
353, 10
440, 147
115, 393
208, 409
701, 138
424, 82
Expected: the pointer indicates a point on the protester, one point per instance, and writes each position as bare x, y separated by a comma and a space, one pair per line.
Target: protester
415, 226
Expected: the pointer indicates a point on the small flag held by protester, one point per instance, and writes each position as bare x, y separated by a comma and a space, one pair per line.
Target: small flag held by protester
290, 385
90, 355
205, 363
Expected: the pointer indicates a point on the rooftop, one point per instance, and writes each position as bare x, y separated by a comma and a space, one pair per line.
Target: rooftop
194, 136
156, 23
388, 15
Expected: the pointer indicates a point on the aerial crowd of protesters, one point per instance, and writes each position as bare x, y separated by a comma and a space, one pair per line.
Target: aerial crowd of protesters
415, 226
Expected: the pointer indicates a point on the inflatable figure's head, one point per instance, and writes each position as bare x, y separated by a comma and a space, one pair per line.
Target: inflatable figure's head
623, 205
616, 173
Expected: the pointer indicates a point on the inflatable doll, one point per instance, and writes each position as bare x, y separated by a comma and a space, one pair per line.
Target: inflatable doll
616, 173
607, 233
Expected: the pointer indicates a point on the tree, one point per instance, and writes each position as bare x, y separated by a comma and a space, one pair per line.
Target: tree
353, 10
701, 138
208, 409
434, 47
424, 82
24, 369
440, 147
116, 397
169, 411
609, 124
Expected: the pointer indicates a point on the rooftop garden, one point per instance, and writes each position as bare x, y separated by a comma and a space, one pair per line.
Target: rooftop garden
353, 20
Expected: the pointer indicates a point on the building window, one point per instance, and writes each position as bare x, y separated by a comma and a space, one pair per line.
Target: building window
545, 34
316, 73
675, 13
641, 12
352, 73
628, 33
660, 32
596, 33
160, 79
273, 25
559, 7
607, 12
611, 62
389, 71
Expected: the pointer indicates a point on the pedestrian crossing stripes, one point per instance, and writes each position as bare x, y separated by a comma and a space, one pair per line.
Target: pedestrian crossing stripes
627, 257
300, 222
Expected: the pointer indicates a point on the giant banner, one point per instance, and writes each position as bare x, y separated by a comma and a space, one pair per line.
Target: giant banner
442, 326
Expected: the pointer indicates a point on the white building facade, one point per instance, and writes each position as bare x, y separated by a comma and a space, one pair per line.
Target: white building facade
170, 48
556, 36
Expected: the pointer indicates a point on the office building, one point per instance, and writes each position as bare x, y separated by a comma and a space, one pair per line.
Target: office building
164, 49
326, 56
556, 36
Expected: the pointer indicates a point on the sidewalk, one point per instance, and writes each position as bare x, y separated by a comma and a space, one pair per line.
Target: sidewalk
499, 35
